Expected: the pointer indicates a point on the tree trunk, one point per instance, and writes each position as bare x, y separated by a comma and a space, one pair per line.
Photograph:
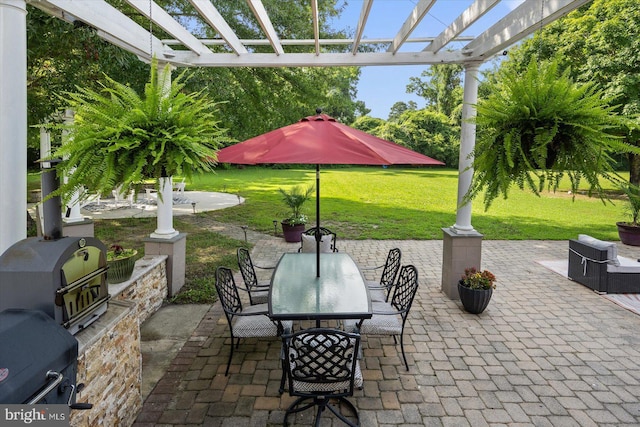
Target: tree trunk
634, 169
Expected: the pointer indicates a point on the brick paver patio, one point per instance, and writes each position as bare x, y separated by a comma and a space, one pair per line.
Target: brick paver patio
546, 352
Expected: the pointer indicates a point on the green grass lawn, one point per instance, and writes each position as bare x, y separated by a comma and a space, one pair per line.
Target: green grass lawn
394, 203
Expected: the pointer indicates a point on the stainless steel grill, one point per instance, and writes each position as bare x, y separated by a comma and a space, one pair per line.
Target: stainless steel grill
38, 360
65, 278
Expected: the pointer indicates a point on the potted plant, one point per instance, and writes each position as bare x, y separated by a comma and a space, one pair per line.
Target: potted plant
121, 262
629, 232
294, 198
118, 138
475, 289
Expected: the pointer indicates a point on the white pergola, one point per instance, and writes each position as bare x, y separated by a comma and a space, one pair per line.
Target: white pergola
406, 45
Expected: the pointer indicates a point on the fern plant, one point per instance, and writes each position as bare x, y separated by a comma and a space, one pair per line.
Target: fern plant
536, 128
119, 138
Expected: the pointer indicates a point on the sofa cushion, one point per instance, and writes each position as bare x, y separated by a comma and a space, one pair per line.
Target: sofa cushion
626, 265
611, 248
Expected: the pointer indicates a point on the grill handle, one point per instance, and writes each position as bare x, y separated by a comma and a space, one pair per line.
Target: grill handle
57, 378
82, 406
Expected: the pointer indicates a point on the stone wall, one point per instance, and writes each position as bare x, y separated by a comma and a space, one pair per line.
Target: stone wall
110, 366
109, 356
147, 287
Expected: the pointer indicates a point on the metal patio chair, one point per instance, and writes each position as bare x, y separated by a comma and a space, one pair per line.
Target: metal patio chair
381, 290
322, 367
389, 318
258, 290
249, 322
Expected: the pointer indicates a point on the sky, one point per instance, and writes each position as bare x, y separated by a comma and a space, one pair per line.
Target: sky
382, 86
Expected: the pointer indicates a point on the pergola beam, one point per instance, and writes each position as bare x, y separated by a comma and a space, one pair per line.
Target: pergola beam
109, 22
265, 23
415, 17
213, 18
158, 16
461, 23
524, 20
362, 21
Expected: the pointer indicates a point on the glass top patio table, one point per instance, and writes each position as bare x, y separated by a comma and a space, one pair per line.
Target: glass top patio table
339, 293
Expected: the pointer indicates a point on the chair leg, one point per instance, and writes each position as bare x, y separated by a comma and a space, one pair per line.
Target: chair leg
337, 413
322, 404
402, 348
230, 356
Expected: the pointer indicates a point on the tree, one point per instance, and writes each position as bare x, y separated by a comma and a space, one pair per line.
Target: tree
427, 132
598, 43
442, 88
400, 107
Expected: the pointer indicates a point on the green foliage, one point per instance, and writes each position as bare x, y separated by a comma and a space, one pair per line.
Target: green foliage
632, 194
442, 87
479, 280
120, 138
425, 131
295, 198
539, 126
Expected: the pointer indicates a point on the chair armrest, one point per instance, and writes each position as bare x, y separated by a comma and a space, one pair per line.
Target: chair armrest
372, 268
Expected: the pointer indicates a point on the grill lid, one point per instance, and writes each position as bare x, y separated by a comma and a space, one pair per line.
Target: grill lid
31, 344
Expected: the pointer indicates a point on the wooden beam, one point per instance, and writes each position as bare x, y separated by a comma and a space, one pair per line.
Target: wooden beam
410, 24
263, 18
211, 15
362, 21
158, 15
461, 23
521, 22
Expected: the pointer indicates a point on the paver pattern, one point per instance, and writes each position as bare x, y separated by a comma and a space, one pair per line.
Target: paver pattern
546, 352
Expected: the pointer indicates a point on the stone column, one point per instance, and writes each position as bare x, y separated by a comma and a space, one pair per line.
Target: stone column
462, 244
13, 122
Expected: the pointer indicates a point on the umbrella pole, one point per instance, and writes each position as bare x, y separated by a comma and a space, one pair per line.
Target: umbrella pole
318, 236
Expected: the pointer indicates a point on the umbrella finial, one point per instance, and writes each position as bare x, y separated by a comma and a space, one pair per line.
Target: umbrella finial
318, 110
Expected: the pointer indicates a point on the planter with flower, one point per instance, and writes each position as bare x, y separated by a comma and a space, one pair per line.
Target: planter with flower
294, 225
475, 289
120, 262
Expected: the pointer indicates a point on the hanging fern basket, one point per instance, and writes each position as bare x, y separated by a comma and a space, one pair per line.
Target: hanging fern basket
539, 126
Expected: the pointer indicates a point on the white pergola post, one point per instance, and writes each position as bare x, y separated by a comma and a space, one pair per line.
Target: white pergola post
165, 228
467, 144
13, 122
461, 243
166, 240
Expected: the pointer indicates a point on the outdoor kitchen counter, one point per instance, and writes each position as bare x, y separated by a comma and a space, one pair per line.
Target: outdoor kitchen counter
110, 366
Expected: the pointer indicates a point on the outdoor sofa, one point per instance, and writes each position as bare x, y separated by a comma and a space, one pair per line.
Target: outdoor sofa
596, 264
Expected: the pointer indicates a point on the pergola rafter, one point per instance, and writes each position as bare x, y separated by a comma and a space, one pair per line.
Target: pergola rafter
188, 50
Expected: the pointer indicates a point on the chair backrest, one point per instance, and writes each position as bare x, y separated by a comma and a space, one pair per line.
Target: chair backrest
246, 268
308, 240
321, 361
227, 292
391, 268
405, 290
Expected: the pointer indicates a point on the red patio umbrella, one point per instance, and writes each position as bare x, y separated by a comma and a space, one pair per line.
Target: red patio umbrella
320, 140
